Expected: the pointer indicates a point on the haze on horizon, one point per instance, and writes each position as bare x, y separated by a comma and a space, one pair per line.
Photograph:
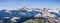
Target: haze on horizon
5, 4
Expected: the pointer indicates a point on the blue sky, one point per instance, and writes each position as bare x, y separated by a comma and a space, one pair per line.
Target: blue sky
5, 4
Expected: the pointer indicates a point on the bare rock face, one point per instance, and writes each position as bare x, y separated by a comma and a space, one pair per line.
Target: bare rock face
37, 15
46, 15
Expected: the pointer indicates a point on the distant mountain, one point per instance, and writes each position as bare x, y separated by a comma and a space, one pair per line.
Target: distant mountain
21, 14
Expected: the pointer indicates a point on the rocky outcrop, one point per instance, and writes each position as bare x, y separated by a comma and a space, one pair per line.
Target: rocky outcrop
47, 17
